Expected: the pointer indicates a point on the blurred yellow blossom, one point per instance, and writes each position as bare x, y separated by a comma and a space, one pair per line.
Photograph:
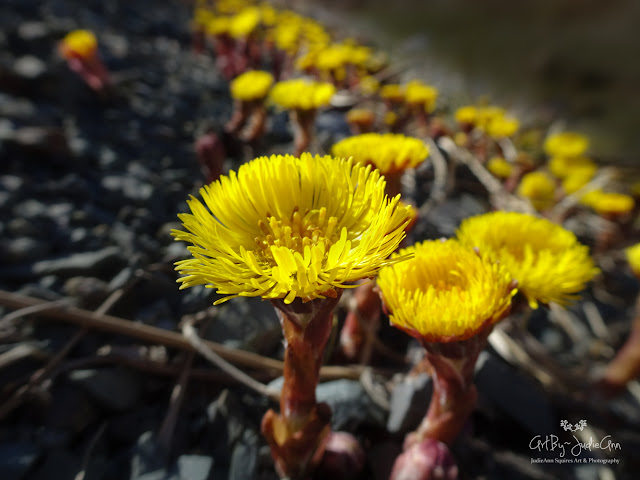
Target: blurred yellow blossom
546, 260
539, 188
251, 85
389, 153
302, 94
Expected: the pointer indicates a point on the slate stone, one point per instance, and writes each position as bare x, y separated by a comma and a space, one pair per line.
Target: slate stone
115, 389
17, 458
409, 403
516, 395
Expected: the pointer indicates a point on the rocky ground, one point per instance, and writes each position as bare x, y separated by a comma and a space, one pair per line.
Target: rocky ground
90, 186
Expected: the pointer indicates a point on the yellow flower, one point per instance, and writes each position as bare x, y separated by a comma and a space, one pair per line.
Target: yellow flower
539, 188
562, 167
219, 26
577, 179
252, 85
361, 116
608, 203
566, 144
501, 127
79, 44
633, 257
447, 292
392, 92
487, 115
547, 261
287, 227
417, 93
302, 94
369, 85
245, 22
500, 167
201, 17
466, 115
389, 153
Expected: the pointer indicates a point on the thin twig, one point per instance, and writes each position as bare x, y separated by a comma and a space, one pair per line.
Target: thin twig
87, 454
559, 211
19, 352
203, 349
154, 335
175, 403
500, 197
439, 187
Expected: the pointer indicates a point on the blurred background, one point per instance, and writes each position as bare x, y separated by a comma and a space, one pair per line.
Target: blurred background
575, 60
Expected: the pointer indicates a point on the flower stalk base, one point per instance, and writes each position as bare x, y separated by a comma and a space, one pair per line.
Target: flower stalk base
298, 434
454, 394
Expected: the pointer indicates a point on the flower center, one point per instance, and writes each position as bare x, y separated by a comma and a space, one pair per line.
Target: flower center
297, 232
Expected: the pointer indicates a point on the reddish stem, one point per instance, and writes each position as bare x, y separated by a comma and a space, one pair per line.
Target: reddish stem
298, 434
454, 394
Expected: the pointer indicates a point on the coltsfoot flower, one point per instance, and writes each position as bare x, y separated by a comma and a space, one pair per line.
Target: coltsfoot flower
609, 203
302, 94
566, 144
539, 188
500, 167
286, 227
633, 257
389, 153
546, 260
79, 44
251, 85
447, 292
562, 167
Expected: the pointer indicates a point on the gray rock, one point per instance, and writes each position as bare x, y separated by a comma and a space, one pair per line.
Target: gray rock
113, 388
29, 67
149, 461
23, 249
59, 465
194, 467
514, 394
409, 403
17, 458
250, 324
127, 188
70, 409
244, 459
445, 218
85, 263
351, 405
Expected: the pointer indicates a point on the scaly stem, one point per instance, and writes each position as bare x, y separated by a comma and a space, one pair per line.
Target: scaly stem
297, 435
454, 394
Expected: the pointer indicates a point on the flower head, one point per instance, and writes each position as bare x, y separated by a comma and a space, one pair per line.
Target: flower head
577, 179
500, 167
417, 93
302, 94
252, 85
245, 22
562, 167
392, 92
566, 144
633, 257
539, 188
389, 152
547, 261
79, 44
447, 292
502, 126
608, 203
466, 115
287, 227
